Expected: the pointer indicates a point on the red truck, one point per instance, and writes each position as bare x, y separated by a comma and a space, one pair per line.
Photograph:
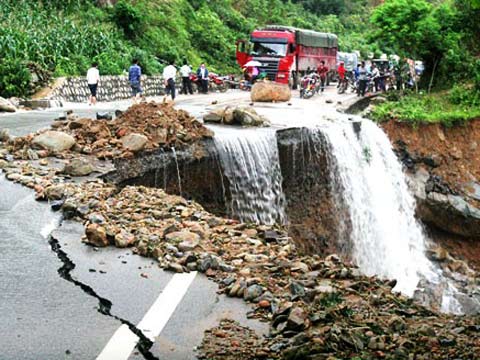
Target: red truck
286, 53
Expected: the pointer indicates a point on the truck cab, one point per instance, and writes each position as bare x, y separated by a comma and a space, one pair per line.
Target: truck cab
286, 52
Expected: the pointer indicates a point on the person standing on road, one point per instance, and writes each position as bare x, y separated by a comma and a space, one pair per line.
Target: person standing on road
362, 79
202, 74
134, 76
93, 78
341, 74
169, 75
185, 72
322, 72
376, 77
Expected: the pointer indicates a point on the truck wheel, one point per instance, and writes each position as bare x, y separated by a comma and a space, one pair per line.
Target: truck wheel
295, 81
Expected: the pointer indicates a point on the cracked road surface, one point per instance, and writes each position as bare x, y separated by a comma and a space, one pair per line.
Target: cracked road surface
61, 299
70, 305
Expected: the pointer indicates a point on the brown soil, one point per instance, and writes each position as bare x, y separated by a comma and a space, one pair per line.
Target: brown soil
454, 150
163, 126
459, 247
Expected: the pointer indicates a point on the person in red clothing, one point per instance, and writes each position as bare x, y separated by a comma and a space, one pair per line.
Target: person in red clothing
341, 74
341, 71
322, 72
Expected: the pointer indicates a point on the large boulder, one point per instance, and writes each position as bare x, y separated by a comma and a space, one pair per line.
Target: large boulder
56, 141
134, 142
267, 91
6, 105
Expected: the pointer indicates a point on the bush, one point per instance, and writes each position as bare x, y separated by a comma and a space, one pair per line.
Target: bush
129, 18
14, 78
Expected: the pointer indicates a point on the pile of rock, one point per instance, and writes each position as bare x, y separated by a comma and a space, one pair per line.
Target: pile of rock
144, 126
236, 115
315, 306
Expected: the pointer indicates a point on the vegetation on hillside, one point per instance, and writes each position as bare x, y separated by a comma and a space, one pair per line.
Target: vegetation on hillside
450, 108
445, 37
64, 37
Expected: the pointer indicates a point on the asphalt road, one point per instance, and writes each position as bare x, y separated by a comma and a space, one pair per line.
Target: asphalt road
61, 299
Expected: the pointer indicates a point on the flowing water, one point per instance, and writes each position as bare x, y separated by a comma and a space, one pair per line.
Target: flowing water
250, 162
377, 226
387, 240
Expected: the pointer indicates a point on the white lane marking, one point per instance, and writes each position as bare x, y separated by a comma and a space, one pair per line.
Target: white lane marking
124, 341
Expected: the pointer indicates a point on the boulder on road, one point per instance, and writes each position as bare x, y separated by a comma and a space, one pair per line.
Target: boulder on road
267, 91
134, 142
6, 105
240, 115
54, 141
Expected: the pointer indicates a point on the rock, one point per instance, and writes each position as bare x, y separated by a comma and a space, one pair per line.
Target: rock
96, 218
4, 135
297, 290
6, 105
228, 117
397, 324
104, 116
186, 237
215, 116
252, 292
247, 116
296, 319
55, 192
56, 141
96, 235
124, 239
134, 142
267, 91
188, 245
79, 167
175, 267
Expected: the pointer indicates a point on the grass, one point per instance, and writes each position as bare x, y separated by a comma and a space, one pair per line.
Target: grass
458, 105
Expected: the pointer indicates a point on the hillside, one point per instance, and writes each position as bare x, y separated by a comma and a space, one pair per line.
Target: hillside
62, 38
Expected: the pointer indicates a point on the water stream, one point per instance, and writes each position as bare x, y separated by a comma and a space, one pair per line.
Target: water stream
387, 240
249, 158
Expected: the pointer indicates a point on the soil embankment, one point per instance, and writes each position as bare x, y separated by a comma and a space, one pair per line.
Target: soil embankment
444, 166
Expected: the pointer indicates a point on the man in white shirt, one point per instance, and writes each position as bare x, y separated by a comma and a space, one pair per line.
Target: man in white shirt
93, 78
202, 74
169, 74
185, 72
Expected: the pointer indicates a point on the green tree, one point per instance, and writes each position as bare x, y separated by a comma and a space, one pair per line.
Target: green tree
421, 31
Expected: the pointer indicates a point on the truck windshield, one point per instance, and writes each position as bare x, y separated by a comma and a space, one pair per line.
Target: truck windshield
263, 48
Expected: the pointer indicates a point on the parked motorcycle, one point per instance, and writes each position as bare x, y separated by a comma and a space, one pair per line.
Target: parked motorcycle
215, 82
309, 85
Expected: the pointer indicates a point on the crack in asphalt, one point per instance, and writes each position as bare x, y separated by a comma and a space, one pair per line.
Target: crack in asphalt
144, 344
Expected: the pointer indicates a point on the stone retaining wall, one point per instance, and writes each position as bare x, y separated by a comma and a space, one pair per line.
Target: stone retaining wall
110, 88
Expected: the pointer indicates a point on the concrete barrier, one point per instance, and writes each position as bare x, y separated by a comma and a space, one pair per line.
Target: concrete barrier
110, 88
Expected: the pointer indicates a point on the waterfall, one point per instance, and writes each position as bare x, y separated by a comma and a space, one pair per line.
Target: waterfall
250, 161
386, 238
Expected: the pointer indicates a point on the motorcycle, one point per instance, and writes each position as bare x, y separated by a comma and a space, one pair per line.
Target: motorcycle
309, 85
215, 82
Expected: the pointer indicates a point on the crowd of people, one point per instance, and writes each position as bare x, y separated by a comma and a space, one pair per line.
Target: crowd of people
362, 79
365, 78
201, 77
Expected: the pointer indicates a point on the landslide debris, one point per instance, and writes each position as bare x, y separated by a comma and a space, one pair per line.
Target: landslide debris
144, 126
317, 308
